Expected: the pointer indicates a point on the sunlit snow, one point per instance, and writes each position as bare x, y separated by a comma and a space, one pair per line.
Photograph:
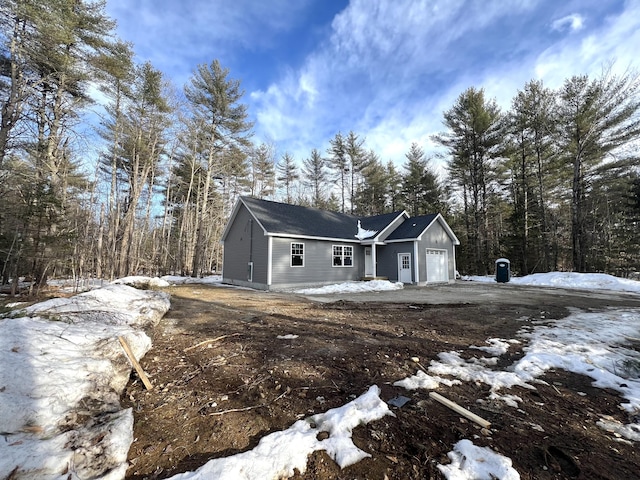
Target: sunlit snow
583, 281
352, 287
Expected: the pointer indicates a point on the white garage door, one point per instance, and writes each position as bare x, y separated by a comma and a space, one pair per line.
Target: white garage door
437, 266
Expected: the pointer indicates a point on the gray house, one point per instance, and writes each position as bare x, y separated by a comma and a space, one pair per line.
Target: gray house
271, 245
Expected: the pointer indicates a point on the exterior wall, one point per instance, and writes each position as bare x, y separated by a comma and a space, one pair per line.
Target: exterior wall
245, 242
387, 256
436, 237
318, 259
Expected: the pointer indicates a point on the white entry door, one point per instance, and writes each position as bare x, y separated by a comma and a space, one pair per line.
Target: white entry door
437, 265
368, 262
404, 267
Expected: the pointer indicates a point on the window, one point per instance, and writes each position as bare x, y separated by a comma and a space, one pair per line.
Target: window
297, 254
342, 256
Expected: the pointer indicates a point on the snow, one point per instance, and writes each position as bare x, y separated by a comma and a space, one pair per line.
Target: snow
206, 280
594, 344
63, 371
363, 233
352, 287
279, 454
142, 282
470, 462
584, 281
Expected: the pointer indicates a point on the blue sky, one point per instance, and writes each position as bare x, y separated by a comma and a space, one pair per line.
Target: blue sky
385, 69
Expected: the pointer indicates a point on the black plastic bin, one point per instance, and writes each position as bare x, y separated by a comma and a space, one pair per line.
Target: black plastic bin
503, 270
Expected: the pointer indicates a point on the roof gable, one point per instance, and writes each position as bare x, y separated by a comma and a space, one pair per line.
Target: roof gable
414, 227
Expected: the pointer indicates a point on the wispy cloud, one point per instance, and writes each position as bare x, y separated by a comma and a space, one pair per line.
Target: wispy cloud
573, 22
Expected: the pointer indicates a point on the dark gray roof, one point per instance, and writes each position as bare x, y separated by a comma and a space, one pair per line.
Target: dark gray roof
412, 227
288, 219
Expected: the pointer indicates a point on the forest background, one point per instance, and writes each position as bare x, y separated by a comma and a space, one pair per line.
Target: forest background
553, 183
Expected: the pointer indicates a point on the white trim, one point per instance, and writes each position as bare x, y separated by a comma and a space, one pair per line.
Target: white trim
416, 261
342, 257
291, 254
374, 260
269, 260
307, 237
400, 255
390, 224
446, 263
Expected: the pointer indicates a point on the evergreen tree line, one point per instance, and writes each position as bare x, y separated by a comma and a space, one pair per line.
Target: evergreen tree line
146, 184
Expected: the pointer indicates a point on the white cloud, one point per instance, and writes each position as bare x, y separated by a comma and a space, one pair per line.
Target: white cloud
616, 40
574, 22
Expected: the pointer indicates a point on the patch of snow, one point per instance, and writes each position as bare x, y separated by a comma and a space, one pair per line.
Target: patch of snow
587, 343
423, 380
470, 462
279, 454
353, 287
630, 432
63, 371
141, 282
497, 346
289, 336
178, 280
363, 233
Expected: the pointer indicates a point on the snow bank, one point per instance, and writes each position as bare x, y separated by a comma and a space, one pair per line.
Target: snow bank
63, 371
177, 280
142, 282
585, 281
352, 287
280, 453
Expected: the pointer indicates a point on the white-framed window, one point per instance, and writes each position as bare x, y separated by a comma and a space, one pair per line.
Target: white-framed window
342, 256
297, 254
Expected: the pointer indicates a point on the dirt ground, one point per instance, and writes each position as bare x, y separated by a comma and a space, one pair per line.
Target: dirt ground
223, 380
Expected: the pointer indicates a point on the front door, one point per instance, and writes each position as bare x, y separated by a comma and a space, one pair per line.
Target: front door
404, 267
368, 262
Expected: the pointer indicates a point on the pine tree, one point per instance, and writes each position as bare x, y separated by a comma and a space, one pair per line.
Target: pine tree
287, 175
215, 108
596, 118
315, 177
339, 163
421, 189
473, 141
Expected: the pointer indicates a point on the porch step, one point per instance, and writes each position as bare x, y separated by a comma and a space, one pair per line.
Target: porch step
368, 279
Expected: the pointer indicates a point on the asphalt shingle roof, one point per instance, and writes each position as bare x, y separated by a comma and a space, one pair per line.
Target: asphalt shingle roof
412, 227
282, 218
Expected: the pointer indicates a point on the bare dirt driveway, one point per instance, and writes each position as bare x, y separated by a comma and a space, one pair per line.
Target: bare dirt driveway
223, 380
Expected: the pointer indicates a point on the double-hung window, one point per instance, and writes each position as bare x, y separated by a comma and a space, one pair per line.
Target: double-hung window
342, 256
297, 254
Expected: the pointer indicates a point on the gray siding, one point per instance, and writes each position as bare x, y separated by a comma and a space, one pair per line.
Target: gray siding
387, 257
436, 237
245, 242
317, 268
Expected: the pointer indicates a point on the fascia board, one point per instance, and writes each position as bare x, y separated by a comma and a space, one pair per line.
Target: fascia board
384, 230
309, 237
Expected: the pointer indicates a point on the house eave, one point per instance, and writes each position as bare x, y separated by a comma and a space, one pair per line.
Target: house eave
311, 237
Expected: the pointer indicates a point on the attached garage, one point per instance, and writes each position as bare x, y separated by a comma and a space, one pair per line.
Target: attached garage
437, 265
